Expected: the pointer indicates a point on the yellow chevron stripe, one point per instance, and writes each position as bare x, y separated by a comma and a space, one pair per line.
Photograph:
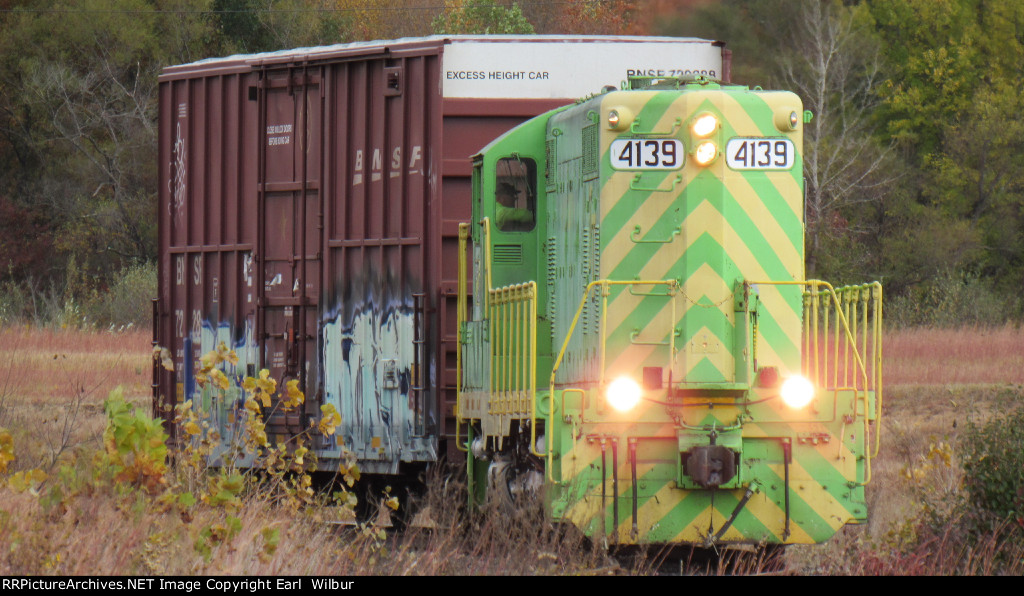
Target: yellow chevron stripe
819, 500
656, 207
625, 304
737, 115
767, 222
654, 509
693, 227
722, 359
750, 267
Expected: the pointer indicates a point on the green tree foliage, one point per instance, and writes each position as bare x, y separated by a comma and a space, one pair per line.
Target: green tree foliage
78, 97
239, 22
481, 17
952, 103
251, 26
741, 25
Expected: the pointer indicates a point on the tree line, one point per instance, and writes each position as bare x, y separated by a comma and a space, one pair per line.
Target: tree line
912, 160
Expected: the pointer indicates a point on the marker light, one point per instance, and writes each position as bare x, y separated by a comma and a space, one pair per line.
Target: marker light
623, 394
797, 392
619, 118
704, 125
705, 153
787, 119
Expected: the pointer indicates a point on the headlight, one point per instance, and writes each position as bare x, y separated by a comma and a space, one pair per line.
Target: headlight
705, 153
797, 392
704, 125
623, 394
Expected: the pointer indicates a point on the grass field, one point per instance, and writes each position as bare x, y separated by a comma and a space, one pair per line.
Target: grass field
53, 385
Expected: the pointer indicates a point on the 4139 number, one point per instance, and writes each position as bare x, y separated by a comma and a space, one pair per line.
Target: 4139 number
760, 154
647, 154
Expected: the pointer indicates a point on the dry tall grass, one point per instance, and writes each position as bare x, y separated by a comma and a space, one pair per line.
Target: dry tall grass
46, 365
924, 356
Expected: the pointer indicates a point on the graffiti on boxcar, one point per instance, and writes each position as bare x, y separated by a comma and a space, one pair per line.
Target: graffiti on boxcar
368, 355
224, 411
176, 180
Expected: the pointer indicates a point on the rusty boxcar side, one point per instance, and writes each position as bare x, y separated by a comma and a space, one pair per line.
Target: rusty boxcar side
309, 209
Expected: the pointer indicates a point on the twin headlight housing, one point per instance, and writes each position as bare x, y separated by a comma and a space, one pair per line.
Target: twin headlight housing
704, 126
623, 394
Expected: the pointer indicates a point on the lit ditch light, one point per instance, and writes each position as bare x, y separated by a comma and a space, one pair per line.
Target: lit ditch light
797, 392
623, 394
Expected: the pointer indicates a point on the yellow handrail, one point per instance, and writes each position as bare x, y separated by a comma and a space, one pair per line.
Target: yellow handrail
512, 341
850, 304
604, 284
460, 317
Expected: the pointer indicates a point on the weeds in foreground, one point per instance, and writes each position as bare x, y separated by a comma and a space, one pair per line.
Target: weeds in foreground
76, 518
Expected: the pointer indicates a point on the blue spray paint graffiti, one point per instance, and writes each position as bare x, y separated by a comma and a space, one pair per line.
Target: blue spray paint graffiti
368, 357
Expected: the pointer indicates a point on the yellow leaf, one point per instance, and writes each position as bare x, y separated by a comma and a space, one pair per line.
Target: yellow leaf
330, 420
6, 450
209, 359
293, 395
28, 481
226, 355
163, 356
267, 384
220, 379
192, 428
392, 503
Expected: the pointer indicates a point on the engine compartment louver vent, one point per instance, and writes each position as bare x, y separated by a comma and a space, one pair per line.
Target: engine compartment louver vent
508, 254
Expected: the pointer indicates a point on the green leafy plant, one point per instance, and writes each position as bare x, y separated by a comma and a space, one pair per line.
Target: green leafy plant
993, 462
135, 445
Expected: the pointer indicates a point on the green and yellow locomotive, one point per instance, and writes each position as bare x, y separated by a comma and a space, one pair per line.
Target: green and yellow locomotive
642, 343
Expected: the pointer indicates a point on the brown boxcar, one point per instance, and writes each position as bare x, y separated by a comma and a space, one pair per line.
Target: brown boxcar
309, 209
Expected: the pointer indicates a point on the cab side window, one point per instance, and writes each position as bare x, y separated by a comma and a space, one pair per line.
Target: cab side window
515, 195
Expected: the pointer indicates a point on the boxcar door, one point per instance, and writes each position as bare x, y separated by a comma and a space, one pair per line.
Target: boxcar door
291, 110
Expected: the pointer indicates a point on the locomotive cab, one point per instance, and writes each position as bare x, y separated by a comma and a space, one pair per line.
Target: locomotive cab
650, 350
